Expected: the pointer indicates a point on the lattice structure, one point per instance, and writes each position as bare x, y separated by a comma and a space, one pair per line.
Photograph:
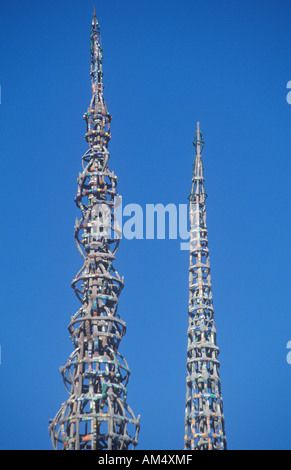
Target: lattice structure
204, 421
96, 414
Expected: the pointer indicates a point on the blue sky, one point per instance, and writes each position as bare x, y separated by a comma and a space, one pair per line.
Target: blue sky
167, 65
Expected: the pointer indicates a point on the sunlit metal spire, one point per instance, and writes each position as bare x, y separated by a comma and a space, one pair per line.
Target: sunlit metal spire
204, 419
96, 414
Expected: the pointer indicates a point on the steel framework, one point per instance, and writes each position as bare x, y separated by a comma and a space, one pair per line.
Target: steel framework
96, 414
204, 419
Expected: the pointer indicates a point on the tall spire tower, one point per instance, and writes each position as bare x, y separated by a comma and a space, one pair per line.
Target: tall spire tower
204, 420
96, 414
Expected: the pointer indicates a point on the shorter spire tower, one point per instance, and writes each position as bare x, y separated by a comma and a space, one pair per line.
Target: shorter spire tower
204, 420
